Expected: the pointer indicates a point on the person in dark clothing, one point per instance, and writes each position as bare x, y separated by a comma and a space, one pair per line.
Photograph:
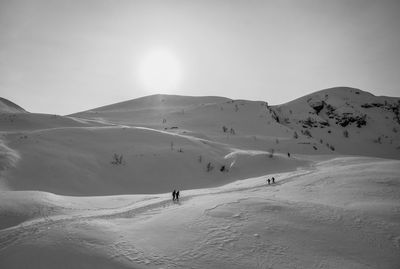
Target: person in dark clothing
273, 180
269, 181
288, 154
177, 195
174, 195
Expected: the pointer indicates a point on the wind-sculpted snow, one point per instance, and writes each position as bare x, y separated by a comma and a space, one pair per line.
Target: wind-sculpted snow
245, 224
8, 157
329, 207
83, 161
6, 106
345, 121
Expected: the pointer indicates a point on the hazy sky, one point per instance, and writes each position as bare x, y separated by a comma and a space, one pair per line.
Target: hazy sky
68, 56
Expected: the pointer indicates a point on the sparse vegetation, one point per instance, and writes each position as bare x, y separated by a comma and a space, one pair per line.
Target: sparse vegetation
378, 140
306, 133
271, 153
309, 122
117, 159
318, 106
225, 130
209, 167
348, 118
274, 115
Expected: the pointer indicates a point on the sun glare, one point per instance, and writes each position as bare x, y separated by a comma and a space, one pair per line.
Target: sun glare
160, 70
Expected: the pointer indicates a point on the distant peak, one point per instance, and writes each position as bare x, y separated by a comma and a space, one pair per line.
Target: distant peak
159, 100
6, 106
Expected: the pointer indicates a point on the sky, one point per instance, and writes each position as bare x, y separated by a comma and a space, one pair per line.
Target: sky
61, 57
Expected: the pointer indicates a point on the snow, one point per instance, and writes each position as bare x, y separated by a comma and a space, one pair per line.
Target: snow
379, 137
310, 218
65, 204
6, 106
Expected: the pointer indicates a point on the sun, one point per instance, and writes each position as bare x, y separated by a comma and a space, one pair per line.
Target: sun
160, 70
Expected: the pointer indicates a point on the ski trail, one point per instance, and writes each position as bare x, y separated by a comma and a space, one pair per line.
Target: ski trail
244, 224
34, 228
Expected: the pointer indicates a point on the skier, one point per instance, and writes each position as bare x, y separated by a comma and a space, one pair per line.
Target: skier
269, 181
273, 180
173, 195
177, 195
288, 154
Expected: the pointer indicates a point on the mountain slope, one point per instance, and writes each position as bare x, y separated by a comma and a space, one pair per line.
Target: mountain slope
323, 211
115, 160
346, 120
190, 142
6, 106
341, 213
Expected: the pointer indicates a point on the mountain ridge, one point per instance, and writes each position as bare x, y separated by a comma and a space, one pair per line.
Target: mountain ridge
149, 144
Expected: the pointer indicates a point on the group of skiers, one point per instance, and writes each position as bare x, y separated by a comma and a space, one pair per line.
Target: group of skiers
269, 181
175, 195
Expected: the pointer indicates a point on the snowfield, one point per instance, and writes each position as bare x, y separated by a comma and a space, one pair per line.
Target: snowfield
93, 189
341, 213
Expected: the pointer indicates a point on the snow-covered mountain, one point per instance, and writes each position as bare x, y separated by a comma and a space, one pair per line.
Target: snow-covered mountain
326, 210
161, 139
345, 120
337, 120
6, 106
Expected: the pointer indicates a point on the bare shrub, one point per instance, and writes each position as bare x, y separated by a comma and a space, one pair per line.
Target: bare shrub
117, 159
346, 133
209, 167
271, 153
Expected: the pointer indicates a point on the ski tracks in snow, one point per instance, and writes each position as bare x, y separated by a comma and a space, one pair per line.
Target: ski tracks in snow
240, 225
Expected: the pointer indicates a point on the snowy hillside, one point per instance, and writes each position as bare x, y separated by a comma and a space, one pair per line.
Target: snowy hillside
164, 138
346, 120
6, 106
81, 161
337, 120
92, 189
342, 213
15, 119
